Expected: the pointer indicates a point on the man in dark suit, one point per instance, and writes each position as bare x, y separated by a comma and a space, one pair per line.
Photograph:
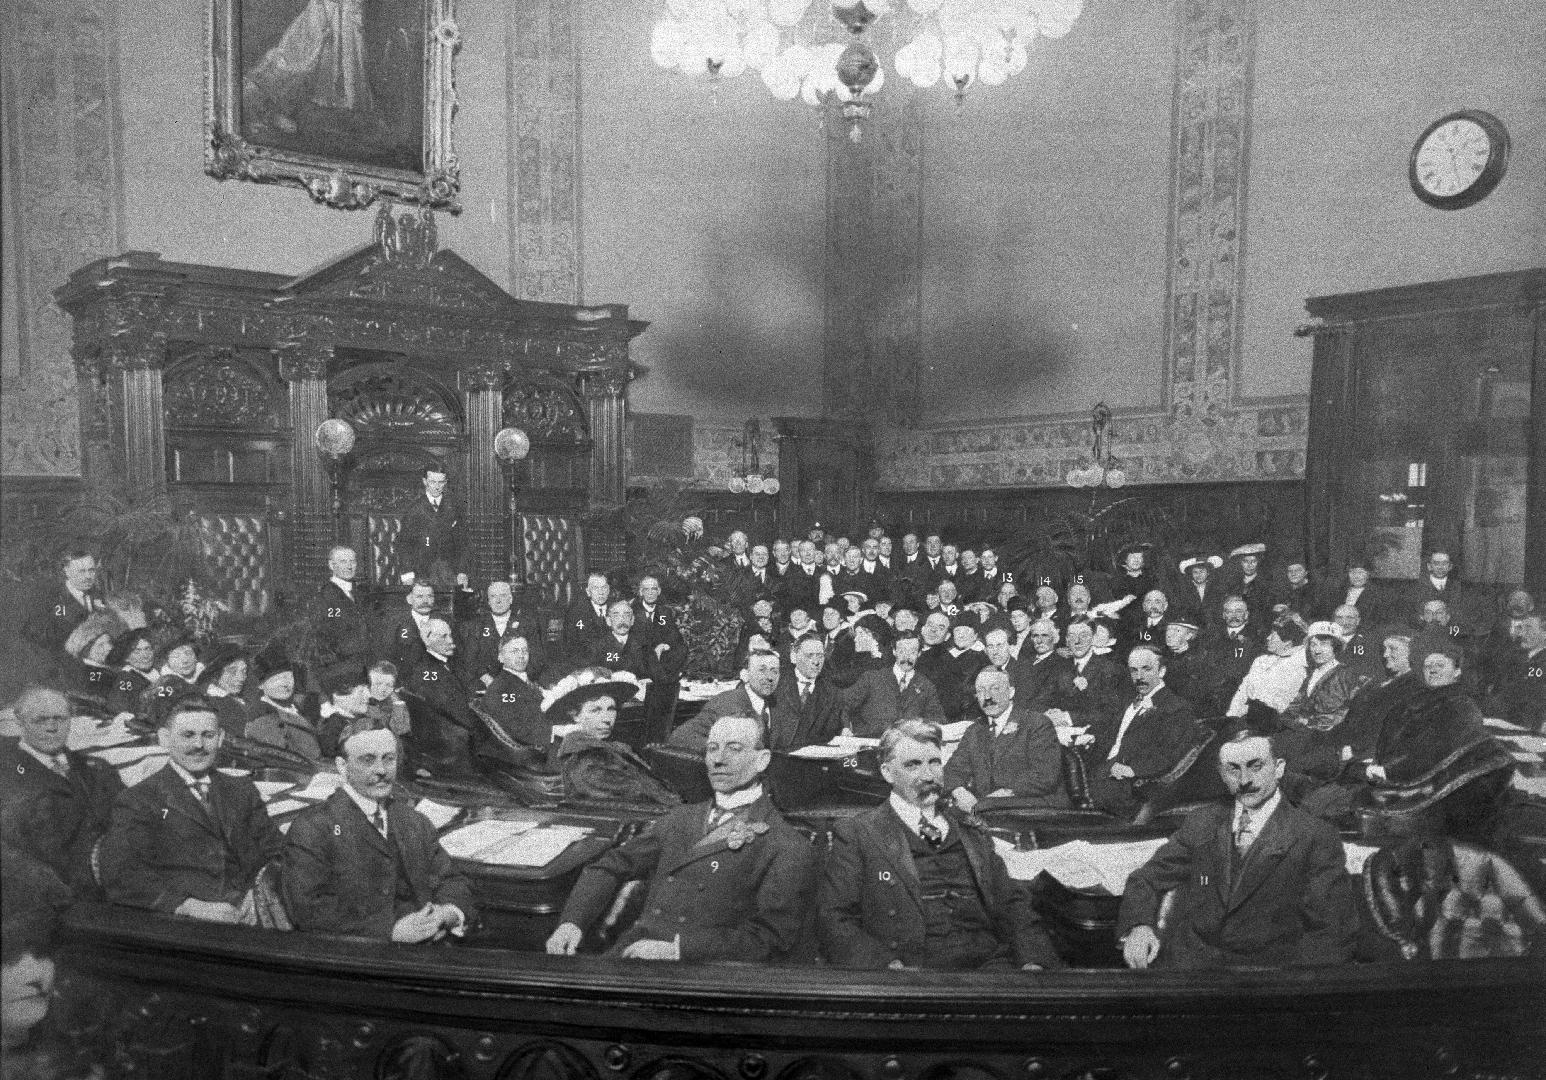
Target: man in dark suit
340, 622
1521, 691
585, 623
878, 699
430, 542
1145, 740
728, 880
1098, 684
802, 585
402, 639
449, 723
188, 840
667, 650
810, 710
478, 638
1234, 642
1012, 753
1257, 882
61, 799
1043, 679
515, 704
57, 608
754, 698
1437, 583
623, 648
368, 864
911, 883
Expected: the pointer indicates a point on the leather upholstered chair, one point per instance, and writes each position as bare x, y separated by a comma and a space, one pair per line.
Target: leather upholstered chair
1442, 899
552, 557
237, 550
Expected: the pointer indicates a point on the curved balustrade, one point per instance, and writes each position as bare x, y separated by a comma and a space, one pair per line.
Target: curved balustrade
165, 998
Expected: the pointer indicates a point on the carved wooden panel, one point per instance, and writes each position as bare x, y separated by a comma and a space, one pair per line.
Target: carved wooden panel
213, 387
547, 409
393, 400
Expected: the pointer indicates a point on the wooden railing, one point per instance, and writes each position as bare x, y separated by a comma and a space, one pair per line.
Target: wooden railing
166, 998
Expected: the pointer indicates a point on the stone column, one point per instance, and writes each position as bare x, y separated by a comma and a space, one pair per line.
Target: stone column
312, 526
606, 409
483, 400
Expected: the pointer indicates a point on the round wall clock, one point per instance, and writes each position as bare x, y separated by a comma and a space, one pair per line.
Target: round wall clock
1459, 159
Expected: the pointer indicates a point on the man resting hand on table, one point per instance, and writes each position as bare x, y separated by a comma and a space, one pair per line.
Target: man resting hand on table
1258, 882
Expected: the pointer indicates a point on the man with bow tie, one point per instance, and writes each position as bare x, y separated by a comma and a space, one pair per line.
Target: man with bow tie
1257, 881
189, 840
878, 698
1012, 753
913, 884
365, 862
59, 799
1143, 741
729, 879
431, 537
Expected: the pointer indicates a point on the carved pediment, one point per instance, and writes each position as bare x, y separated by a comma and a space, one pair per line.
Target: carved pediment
376, 275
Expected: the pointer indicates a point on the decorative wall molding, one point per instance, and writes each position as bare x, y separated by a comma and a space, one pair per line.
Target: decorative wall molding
63, 175
1204, 432
544, 165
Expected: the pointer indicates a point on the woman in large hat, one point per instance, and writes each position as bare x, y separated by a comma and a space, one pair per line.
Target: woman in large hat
133, 661
224, 678
90, 644
595, 767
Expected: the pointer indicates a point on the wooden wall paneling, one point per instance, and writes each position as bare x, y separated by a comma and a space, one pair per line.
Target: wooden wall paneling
1535, 527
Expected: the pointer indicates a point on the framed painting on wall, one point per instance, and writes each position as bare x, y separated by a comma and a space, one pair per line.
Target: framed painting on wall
350, 99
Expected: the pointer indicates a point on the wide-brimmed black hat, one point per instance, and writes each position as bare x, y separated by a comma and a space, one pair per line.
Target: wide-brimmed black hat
270, 661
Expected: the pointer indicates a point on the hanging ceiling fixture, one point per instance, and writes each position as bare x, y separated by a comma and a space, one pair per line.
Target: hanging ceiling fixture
819, 51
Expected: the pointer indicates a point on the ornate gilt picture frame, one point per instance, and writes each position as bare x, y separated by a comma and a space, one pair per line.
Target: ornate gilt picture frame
350, 99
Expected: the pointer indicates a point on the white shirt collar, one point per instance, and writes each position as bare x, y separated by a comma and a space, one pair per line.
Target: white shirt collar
187, 777
282, 706
899, 674
912, 815
1002, 720
737, 799
366, 804
1259, 816
758, 702
47, 761
437, 656
346, 586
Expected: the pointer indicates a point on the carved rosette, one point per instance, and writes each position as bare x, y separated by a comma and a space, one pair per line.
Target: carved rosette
547, 410
212, 388
387, 401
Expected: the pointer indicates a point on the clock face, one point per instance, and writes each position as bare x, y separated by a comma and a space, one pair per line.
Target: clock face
1459, 159
1453, 157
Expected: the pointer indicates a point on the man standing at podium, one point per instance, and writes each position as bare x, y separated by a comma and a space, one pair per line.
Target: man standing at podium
728, 880
1258, 882
431, 538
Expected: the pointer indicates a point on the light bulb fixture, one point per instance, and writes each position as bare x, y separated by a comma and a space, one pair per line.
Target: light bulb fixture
1101, 469
820, 51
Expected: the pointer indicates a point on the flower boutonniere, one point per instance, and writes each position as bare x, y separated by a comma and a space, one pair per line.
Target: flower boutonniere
743, 833
1009, 728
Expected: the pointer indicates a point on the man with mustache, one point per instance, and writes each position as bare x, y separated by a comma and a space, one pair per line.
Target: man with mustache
1257, 881
188, 840
912, 883
368, 864
729, 879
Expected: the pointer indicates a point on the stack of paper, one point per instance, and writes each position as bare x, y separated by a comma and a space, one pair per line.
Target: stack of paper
269, 788
957, 731
86, 734
1356, 855
511, 843
1080, 864
439, 814
279, 807
322, 785
822, 753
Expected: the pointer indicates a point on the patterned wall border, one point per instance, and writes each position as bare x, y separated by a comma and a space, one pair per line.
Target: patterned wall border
544, 165
1204, 433
63, 172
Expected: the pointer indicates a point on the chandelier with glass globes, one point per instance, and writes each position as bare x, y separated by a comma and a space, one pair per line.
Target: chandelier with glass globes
819, 51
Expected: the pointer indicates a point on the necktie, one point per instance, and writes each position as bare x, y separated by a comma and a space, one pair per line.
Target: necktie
717, 817
200, 789
901, 684
1244, 833
379, 818
60, 764
805, 691
931, 833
